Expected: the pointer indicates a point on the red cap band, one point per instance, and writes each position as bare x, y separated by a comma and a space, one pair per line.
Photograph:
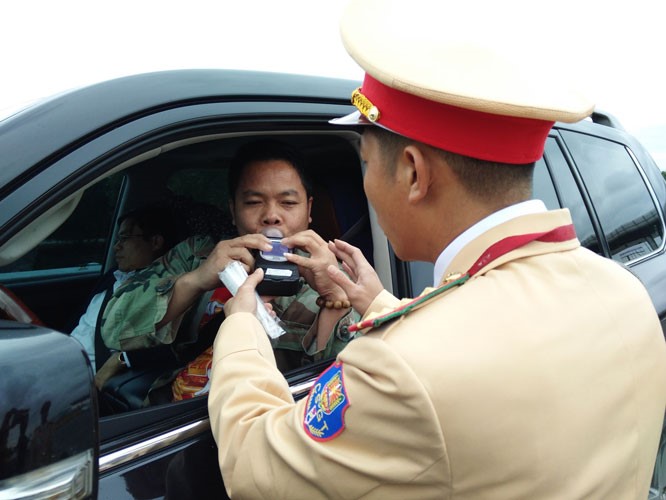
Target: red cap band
486, 136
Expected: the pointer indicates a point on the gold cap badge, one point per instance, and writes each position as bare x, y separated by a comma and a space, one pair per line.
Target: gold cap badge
363, 104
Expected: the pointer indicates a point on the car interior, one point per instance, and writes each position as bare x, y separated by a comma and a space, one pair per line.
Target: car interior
69, 247
49, 269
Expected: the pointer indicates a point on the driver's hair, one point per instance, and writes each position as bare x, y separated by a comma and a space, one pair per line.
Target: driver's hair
265, 150
480, 178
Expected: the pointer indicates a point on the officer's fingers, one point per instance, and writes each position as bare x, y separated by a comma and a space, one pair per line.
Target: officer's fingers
245, 298
359, 297
349, 271
340, 254
357, 266
343, 246
355, 253
236, 304
331, 246
246, 290
252, 281
347, 253
341, 279
345, 257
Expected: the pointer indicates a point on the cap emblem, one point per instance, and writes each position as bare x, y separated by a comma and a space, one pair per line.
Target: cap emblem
364, 105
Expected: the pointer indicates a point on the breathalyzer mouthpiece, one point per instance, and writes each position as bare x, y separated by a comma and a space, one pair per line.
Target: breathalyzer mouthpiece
272, 232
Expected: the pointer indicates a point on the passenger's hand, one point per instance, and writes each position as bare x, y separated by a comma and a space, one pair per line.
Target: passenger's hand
245, 300
111, 367
364, 284
313, 268
240, 249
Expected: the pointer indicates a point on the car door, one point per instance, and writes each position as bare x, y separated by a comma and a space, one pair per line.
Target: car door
164, 451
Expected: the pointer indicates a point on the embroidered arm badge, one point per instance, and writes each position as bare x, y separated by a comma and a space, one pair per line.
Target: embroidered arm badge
326, 405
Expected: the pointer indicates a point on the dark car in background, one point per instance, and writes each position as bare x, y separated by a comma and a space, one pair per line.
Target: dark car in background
72, 164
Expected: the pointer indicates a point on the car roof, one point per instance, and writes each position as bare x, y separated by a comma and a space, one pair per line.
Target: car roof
71, 117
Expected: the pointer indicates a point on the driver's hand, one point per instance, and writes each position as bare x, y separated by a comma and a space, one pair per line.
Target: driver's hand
314, 268
206, 275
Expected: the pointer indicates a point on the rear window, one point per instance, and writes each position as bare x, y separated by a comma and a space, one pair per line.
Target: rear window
570, 195
623, 203
79, 245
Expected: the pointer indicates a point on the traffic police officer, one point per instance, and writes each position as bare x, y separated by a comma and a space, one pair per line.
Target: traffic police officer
535, 369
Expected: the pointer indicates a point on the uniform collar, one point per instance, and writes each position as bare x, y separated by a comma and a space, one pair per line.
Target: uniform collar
493, 220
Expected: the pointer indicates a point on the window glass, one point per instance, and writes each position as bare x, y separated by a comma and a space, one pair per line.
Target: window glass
80, 242
542, 186
203, 195
626, 210
206, 185
421, 276
570, 196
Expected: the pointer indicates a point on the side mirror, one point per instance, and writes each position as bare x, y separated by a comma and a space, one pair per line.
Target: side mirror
48, 415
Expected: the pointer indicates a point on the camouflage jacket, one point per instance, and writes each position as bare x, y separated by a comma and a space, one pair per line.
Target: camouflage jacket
129, 318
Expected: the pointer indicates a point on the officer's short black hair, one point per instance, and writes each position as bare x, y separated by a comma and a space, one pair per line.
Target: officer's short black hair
481, 178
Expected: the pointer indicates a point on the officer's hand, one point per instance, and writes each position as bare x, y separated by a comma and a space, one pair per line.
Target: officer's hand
245, 300
314, 267
364, 284
206, 275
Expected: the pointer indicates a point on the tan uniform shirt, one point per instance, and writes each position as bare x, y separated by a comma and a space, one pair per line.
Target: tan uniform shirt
543, 376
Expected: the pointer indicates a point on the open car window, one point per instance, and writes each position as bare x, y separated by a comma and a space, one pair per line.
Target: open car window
60, 276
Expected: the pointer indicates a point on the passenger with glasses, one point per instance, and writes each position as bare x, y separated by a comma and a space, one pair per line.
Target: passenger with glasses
144, 234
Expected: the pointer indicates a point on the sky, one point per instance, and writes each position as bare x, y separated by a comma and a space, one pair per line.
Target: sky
613, 49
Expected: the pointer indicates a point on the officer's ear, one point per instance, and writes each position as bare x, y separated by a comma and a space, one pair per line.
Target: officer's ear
415, 169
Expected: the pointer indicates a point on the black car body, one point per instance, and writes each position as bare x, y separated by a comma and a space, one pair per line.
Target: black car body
72, 164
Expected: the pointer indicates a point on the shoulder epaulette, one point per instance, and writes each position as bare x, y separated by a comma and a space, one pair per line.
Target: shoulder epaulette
409, 306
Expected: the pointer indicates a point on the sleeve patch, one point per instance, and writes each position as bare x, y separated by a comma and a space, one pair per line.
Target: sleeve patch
326, 406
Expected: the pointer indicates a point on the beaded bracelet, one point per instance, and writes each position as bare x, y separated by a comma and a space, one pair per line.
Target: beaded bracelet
333, 304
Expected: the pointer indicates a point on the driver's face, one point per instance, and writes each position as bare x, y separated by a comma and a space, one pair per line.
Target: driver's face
271, 194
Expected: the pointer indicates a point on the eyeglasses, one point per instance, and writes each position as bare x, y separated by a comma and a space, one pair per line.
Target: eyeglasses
122, 239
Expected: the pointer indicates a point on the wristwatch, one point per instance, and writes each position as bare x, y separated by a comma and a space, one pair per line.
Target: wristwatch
121, 359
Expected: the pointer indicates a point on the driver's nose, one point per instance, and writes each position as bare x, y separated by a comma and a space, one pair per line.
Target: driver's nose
272, 216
